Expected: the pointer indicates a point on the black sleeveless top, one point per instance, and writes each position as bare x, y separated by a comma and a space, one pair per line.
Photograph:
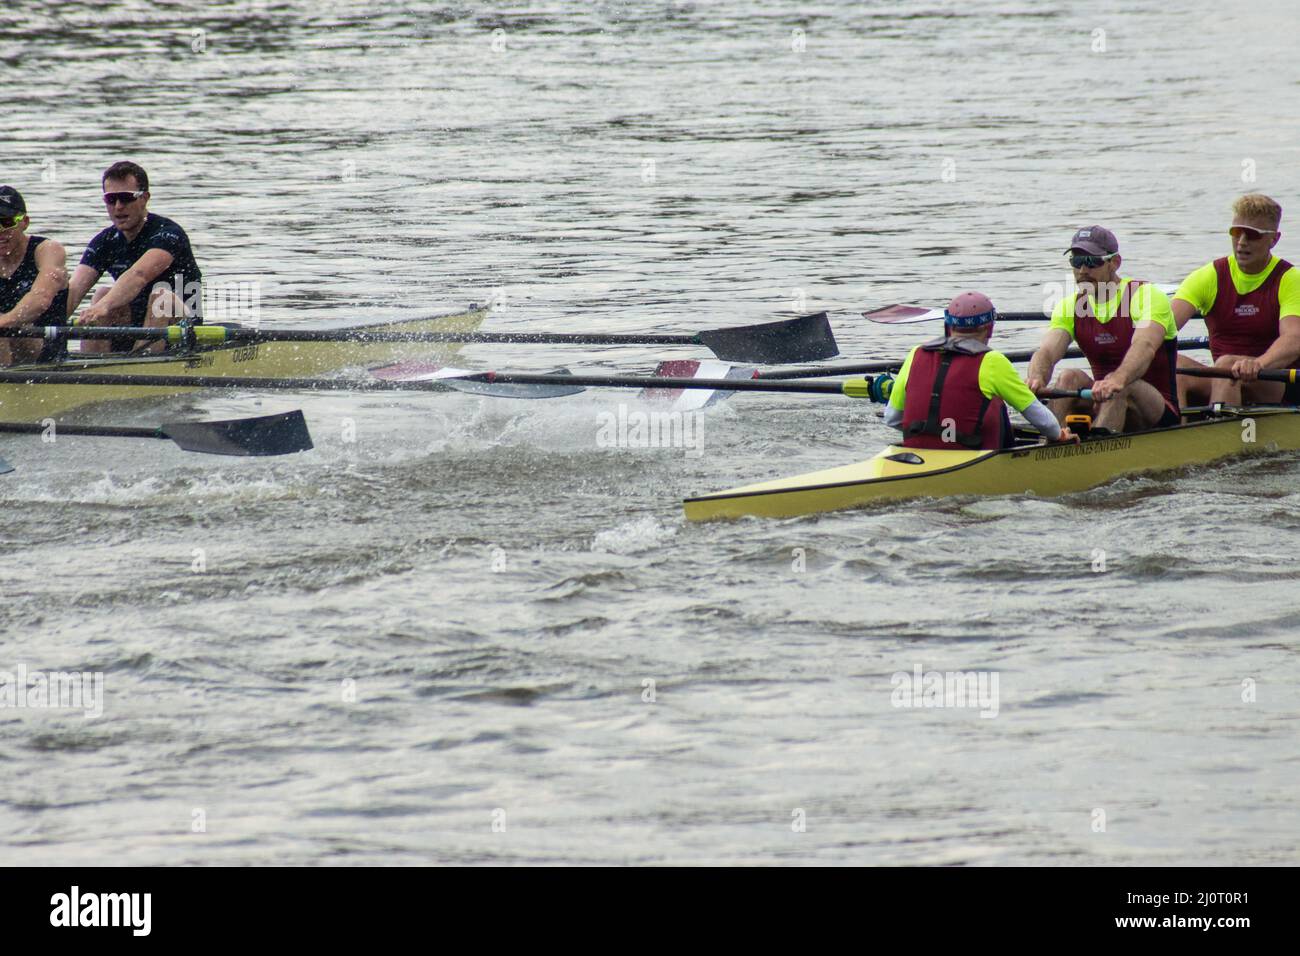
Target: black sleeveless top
20, 283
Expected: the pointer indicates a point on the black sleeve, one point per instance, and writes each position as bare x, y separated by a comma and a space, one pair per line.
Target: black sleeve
169, 238
94, 254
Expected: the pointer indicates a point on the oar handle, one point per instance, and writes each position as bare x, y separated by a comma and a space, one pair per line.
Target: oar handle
1083, 393
1267, 374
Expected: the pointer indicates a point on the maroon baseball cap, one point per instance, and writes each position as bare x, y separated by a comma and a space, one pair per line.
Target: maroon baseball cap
1094, 240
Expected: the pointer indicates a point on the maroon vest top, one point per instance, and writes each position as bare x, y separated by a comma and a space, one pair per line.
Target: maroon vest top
943, 395
1244, 324
1105, 344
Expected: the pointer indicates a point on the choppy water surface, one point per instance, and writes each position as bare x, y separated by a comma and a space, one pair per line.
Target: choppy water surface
477, 635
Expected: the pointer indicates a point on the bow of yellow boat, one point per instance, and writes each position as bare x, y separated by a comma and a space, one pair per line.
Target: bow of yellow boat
893, 473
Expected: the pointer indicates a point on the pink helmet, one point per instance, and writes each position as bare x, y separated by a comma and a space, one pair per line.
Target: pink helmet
969, 310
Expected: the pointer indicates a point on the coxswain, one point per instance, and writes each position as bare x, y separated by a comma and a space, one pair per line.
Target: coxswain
33, 283
953, 392
155, 278
1251, 304
1125, 329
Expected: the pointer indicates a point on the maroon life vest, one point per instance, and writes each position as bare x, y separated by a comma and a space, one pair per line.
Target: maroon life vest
1244, 324
1105, 344
943, 395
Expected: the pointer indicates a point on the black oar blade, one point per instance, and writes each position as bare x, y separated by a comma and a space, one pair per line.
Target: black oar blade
269, 435
5, 467
806, 339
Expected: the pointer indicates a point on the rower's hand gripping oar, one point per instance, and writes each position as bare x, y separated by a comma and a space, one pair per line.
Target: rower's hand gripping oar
281, 434
1265, 374
806, 338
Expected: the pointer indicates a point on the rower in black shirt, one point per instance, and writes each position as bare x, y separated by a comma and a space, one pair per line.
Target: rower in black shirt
33, 283
156, 280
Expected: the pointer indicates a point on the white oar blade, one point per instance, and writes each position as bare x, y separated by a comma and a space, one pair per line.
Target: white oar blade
903, 314
455, 378
5, 467
693, 399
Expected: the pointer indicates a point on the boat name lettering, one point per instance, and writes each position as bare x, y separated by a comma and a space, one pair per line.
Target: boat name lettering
201, 361
246, 354
1087, 448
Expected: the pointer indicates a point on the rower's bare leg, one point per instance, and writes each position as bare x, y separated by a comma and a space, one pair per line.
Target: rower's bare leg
19, 351
1262, 393
1070, 379
164, 309
119, 316
1192, 392
1135, 408
1225, 390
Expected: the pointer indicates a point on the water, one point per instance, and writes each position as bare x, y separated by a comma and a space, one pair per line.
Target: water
477, 636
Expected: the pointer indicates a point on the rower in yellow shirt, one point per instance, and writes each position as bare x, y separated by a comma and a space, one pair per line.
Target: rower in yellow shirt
953, 392
1125, 328
1251, 304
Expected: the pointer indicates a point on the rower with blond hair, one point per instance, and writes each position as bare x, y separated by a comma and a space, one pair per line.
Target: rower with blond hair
1251, 304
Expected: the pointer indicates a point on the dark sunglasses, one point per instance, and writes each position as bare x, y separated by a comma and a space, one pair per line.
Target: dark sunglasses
1088, 262
8, 222
1251, 234
112, 199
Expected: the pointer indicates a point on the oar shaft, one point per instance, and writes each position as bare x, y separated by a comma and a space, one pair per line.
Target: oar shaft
98, 431
643, 381
1267, 374
891, 365
218, 335
317, 384
214, 381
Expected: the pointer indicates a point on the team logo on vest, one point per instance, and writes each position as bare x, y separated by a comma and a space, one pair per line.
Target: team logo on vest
1105, 338
1246, 308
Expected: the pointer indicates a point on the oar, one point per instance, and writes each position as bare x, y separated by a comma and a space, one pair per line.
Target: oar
855, 388
281, 434
454, 378
1083, 393
806, 338
1267, 374
907, 314
5, 467
888, 365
